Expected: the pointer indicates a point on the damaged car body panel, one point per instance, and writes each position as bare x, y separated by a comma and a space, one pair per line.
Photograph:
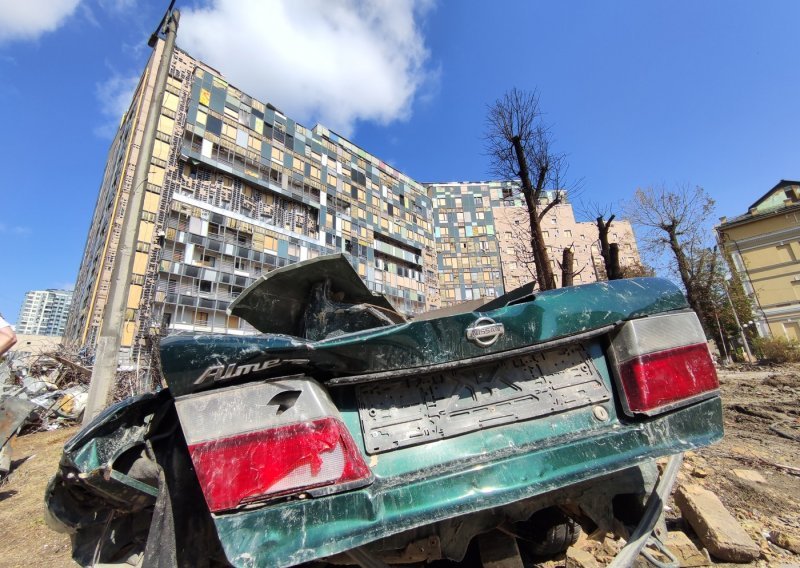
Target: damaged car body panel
343, 428
407, 347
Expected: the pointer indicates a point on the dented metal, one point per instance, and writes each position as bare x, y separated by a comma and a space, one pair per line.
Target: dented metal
464, 423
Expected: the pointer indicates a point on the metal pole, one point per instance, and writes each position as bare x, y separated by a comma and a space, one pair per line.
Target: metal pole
722, 339
738, 325
108, 344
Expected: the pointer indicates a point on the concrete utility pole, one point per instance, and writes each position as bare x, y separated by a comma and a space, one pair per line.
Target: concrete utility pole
108, 343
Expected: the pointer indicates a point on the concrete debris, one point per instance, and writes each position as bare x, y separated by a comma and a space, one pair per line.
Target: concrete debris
686, 551
784, 541
580, 558
67, 403
749, 475
719, 532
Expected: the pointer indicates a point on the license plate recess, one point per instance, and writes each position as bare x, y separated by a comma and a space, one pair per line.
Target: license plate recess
416, 410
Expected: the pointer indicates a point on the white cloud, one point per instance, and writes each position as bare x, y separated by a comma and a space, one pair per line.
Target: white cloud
115, 96
16, 230
120, 6
332, 61
29, 19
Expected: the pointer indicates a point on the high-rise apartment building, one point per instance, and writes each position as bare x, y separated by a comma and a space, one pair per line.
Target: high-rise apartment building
236, 188
44, 312
482, 236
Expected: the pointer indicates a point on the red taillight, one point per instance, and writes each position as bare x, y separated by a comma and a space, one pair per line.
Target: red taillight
663, 378
259, 441
259, 465
662, 361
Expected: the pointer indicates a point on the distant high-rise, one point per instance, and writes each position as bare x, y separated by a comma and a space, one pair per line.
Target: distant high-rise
44, 312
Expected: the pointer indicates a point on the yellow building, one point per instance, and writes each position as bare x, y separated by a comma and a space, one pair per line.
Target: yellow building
764, 247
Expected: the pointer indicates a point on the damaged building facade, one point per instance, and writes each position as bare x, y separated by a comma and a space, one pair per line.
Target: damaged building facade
236, 188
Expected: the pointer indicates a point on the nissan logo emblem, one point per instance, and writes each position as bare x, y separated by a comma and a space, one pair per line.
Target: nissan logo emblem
485, 332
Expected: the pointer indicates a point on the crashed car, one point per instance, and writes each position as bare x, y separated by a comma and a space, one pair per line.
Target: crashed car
344, 434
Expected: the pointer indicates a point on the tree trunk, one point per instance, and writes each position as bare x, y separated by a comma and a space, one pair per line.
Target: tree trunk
544, 272
602, 233
613, 269
566, 268
683, 270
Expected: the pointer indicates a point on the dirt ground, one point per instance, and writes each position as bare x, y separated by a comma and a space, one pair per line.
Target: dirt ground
26, 539
762, 434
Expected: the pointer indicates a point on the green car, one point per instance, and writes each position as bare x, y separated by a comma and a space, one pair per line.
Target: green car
344, 434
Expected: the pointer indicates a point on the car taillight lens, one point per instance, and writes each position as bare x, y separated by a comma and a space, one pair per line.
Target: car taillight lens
266, 440
258, 465
662, 362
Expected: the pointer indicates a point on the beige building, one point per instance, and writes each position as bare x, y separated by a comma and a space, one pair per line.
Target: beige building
560, 231
764, 248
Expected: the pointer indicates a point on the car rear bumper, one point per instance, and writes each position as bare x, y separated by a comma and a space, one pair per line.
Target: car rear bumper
307, 529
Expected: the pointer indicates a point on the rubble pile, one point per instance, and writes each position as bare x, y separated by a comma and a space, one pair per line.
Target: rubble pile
55, 382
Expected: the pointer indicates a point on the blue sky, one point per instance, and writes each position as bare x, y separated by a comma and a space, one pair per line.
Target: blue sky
637, 93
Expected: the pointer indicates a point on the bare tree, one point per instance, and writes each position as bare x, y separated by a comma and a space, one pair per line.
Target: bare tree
676, 221
520, 146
